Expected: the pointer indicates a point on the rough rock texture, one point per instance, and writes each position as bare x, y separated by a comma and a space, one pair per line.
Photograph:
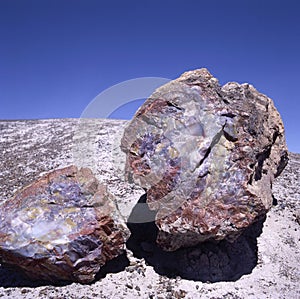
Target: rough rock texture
207, 156
33, 147
64, 226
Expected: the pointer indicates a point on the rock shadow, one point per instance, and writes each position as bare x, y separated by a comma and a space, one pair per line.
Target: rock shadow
206, 262
12, 277
116, 265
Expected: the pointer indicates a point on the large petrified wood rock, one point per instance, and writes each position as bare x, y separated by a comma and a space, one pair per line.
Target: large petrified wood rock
64, 226
207, 156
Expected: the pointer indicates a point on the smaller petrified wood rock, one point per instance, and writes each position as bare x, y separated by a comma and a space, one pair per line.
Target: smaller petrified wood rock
207, 156
64, 226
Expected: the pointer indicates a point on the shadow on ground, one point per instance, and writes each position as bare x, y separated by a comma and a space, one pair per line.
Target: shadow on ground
12, 277
209, 261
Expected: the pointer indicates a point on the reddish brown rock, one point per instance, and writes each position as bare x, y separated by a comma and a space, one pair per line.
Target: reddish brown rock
207, 156
64, 226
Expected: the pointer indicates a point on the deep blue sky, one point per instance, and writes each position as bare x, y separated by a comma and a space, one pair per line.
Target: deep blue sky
57, 55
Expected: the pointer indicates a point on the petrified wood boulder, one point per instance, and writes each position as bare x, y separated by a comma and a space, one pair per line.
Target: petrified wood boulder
207, 156
64, 226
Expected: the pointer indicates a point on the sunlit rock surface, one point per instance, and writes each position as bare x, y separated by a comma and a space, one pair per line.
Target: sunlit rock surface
207, 156
64, 226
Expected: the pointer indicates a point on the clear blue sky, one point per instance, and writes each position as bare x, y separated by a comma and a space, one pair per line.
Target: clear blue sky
57, 55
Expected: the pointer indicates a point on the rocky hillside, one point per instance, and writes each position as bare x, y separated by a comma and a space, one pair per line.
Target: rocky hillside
263, 263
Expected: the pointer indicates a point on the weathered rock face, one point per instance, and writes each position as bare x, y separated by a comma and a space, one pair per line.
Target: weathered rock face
64, 226
207, 156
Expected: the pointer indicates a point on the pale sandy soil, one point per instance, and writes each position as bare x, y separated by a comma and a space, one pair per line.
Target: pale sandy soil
264, 263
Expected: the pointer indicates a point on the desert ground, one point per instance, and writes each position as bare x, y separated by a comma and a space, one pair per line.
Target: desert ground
262, 263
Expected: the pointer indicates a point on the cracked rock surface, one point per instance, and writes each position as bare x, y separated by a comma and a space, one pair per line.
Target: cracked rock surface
207, 156
62, 227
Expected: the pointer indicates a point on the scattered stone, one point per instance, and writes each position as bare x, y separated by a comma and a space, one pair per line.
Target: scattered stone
207, 156
64, 226
129, 285
297, 215
180, 294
